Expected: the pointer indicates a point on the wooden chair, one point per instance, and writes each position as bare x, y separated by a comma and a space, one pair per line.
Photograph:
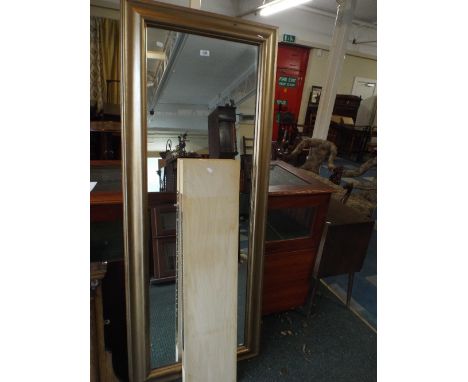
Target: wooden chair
246, 164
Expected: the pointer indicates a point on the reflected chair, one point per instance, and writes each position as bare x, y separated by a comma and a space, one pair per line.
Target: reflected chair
247, 145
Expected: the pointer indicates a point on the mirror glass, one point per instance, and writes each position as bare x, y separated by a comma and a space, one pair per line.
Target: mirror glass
201, 101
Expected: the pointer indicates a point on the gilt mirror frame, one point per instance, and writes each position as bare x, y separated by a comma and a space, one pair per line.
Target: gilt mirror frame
136, 17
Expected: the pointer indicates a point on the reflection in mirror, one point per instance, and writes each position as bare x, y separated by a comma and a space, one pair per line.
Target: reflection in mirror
201, 95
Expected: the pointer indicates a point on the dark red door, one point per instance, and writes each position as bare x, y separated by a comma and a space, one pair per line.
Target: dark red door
290, 74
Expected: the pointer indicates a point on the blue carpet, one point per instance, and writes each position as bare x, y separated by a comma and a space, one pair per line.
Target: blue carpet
364, 297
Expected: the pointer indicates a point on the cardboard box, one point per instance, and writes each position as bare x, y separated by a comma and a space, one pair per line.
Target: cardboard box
347, 121
336, 118
342, 120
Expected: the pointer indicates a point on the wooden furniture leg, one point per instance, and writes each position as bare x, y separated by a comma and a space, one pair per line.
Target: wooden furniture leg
350, 289
311, 298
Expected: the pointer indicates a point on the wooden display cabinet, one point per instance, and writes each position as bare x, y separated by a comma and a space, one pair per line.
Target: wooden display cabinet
297, 209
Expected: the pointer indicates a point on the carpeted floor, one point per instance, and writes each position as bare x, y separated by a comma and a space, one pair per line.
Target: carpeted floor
163, 319
333, 345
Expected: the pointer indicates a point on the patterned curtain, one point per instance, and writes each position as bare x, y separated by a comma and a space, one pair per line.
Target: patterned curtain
104, 62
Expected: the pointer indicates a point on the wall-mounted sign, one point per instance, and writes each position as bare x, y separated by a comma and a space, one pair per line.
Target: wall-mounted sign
289, 38
288, 82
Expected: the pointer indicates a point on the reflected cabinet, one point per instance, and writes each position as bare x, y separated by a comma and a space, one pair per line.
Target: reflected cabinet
222, 132
163, 235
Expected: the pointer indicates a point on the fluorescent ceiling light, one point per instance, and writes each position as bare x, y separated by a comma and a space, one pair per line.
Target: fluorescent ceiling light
279, 5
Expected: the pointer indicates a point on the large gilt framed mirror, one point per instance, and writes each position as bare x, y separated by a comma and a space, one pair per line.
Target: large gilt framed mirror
197, 85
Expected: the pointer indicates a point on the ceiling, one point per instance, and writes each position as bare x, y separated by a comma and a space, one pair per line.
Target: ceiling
197, 79
195, 82
366, 10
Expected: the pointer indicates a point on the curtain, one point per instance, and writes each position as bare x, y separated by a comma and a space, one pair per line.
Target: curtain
105, 62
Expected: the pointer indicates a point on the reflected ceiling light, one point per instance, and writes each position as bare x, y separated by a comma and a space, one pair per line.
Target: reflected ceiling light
156, 55
279, 5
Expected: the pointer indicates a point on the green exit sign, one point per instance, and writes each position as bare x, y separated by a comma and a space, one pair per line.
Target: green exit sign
289, 38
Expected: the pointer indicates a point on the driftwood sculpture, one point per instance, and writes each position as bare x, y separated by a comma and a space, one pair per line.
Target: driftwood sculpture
319, 152
362, 169
368, 190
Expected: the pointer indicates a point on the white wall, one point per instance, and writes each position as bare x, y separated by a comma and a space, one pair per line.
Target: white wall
197, 141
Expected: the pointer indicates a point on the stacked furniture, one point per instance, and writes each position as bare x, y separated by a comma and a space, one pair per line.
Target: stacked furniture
351, 140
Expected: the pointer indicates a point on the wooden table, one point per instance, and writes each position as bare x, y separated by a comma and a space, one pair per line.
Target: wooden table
343, 246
